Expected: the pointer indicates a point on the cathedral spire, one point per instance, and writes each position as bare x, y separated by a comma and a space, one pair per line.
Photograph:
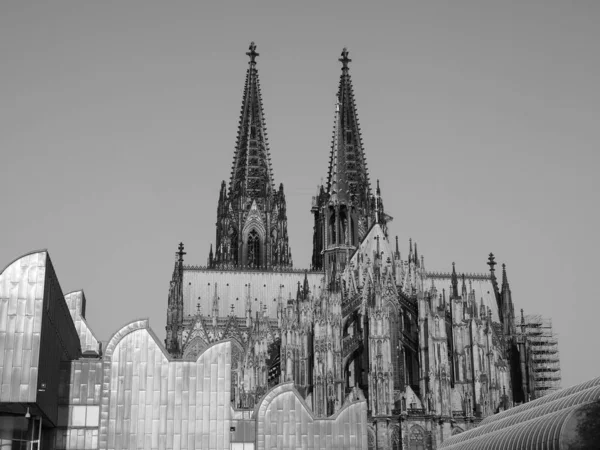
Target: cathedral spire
348, 177
454, 279
504, 278
251, 214
252, 174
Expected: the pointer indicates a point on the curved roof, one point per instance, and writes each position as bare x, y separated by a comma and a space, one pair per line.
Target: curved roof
540, 401
541, 432
560, 404
537, 424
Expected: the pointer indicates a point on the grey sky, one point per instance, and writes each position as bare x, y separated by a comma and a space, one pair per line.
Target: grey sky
481, 119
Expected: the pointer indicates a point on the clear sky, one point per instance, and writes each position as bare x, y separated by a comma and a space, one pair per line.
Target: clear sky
118, 122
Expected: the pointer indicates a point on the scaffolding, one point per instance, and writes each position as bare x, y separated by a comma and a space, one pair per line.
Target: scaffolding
543, 345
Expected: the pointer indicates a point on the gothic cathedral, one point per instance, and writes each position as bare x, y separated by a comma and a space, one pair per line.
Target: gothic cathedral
432, 352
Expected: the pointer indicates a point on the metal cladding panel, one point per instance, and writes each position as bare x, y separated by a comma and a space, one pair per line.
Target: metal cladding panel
154, 402
540, 401
540, 433
582, 397
76, 304
21, 293
284, 421
234, 287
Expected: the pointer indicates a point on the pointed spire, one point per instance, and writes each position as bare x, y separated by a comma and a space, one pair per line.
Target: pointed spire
306, 288
416, 257
464, 288
397, 248
454, 282
504, 278
347, 175
210, 257
251, 177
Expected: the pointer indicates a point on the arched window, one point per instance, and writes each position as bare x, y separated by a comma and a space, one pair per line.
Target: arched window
456, 430
395, 438
416, 438
332, 230
253, 249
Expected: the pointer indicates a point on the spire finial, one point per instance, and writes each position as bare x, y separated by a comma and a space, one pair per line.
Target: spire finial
491, 262
345, 60
252, 53
180, 253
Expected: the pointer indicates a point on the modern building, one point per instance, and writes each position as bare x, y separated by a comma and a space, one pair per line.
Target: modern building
362, 349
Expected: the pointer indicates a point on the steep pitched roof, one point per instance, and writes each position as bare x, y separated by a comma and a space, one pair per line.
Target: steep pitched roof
251, 172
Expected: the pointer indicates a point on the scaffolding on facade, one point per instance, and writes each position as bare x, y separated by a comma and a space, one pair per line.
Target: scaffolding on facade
543, 345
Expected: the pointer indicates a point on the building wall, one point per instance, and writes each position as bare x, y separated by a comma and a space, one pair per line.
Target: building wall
155, 402
36, 334
79, 405
284, 421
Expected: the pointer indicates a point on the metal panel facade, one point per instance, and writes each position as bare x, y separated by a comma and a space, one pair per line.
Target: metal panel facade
154, 402
283, 421
21, 308
36, 333
76, 303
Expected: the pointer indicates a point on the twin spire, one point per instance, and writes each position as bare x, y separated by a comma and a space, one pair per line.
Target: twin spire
251, 214
252, 172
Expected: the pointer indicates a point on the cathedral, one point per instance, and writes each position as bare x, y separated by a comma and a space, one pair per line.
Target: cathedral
365, 348
432, 352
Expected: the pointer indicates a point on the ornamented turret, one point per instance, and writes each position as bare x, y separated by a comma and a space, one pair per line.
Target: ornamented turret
251, 214
175, 307
344, 208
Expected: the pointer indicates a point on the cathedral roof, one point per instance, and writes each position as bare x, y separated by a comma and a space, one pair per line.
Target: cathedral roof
234, 287
251, 172
347, 164
480, 283
374, 242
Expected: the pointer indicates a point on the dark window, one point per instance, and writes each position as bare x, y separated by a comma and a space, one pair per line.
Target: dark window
253, 249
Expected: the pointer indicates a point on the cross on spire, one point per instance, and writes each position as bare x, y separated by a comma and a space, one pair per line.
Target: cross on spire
198, 307
180, 253
344, 59
252, 53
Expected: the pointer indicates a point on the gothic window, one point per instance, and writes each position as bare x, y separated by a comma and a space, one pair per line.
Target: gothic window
395, 344
416, 438
253, 249
395, 438
332, 229
370, 439
456, 430
343, 224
